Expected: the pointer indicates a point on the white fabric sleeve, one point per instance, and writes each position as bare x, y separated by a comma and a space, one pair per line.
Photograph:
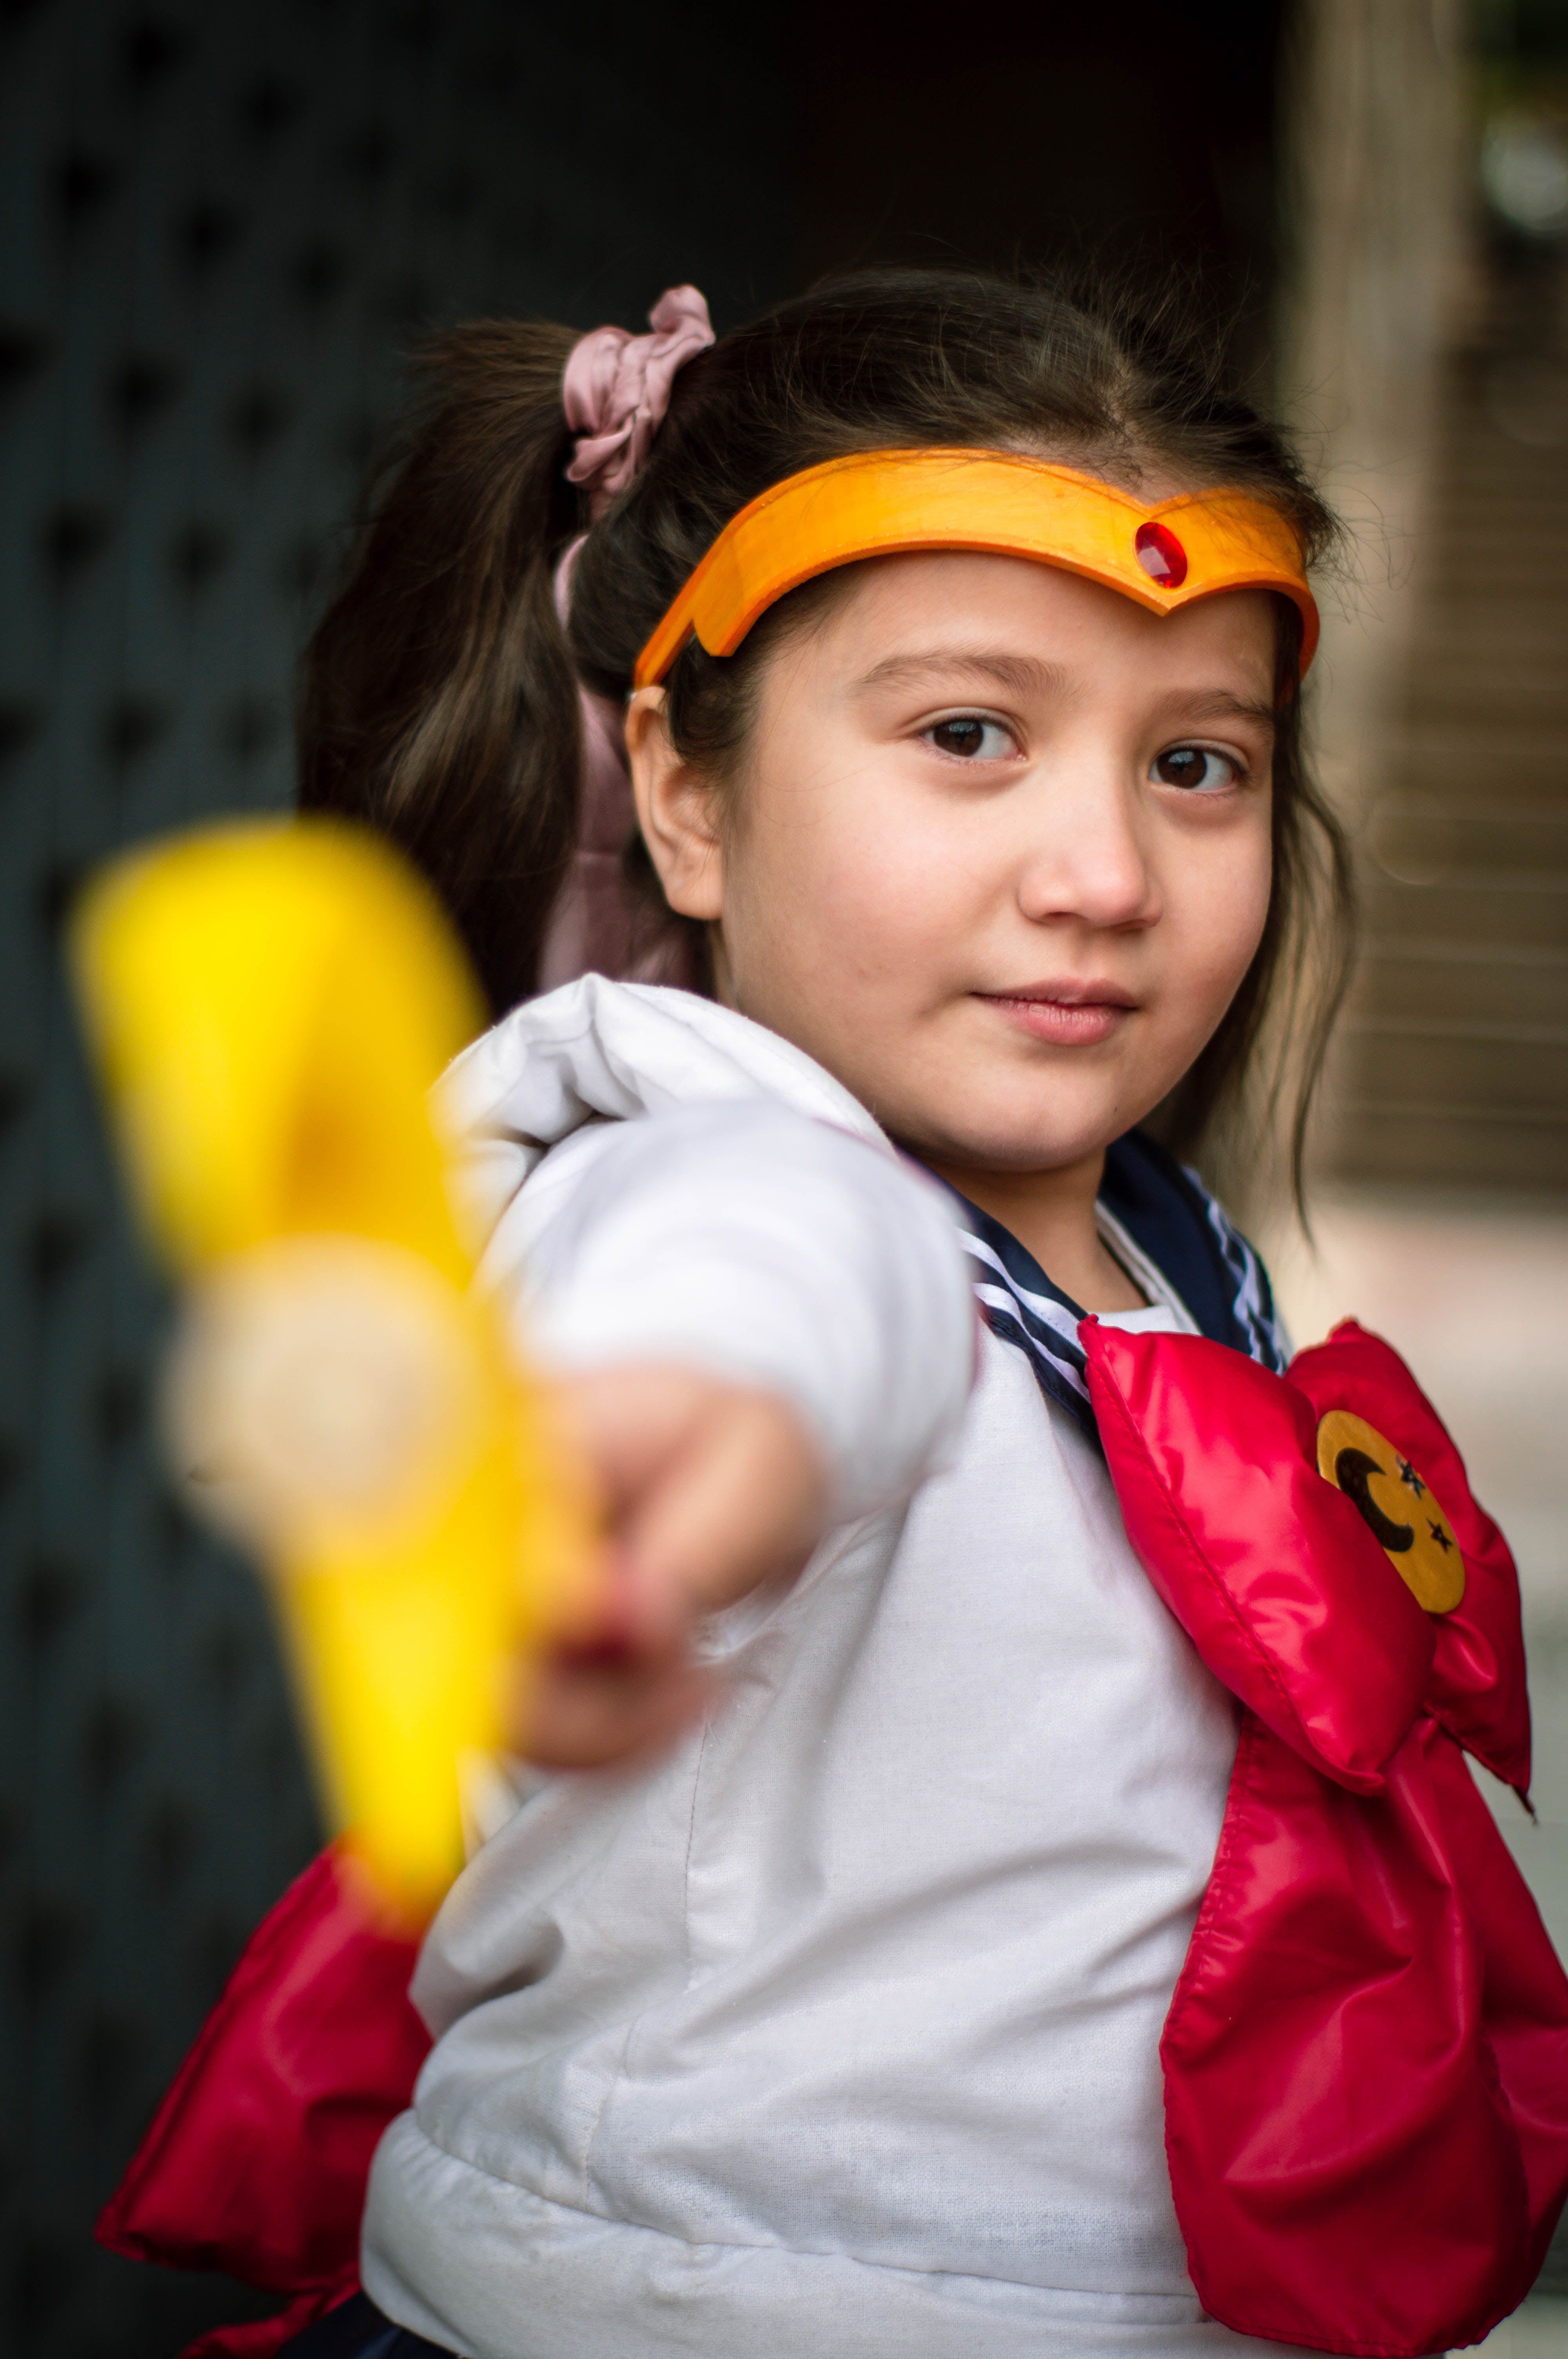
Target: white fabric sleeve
755, 1244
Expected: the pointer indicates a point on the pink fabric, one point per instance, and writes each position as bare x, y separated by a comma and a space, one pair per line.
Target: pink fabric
597, 927
616, 390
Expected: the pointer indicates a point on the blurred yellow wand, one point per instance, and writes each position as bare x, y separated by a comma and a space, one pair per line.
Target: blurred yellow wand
270, 1005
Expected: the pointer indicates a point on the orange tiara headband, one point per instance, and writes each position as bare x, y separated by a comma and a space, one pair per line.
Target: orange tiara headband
879, 502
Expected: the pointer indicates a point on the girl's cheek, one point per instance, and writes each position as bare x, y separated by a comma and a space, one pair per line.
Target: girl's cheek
855, 878
1239, 901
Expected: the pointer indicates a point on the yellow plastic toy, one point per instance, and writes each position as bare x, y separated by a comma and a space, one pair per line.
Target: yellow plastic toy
270, 1005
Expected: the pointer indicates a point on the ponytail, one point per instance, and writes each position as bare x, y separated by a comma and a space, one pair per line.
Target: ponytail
439, 703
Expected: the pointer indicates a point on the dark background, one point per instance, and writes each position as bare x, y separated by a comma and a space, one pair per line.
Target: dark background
221, 225
1136, 136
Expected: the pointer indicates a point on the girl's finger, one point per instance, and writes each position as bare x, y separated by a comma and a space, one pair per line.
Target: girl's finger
586, 1708
741, 1503
712, 1487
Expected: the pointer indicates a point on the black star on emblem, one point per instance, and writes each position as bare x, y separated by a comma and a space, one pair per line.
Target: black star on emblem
1410, 1479
1439, 1535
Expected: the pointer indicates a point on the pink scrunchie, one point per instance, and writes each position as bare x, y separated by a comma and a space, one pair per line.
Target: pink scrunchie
616, 390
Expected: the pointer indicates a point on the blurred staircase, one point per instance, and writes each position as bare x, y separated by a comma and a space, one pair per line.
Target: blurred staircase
1457, 1057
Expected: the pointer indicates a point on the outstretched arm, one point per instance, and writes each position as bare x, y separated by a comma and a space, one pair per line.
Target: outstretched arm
764, 1328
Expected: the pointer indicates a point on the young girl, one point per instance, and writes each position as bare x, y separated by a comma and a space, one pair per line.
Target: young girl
823, 2013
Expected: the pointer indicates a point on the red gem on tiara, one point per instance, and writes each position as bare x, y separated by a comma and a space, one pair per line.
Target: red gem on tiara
1161, 555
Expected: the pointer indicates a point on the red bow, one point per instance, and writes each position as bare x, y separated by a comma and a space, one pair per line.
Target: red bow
1367, 2056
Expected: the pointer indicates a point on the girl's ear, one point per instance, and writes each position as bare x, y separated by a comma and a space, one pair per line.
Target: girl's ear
676, 812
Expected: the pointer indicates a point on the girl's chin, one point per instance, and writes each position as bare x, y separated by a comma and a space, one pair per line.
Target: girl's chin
993, 1139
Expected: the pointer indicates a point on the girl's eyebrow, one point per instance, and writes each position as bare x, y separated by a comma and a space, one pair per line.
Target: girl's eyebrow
1018, 675
1223, 704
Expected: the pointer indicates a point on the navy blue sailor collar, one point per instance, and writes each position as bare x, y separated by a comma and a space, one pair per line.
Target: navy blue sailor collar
1173, 1219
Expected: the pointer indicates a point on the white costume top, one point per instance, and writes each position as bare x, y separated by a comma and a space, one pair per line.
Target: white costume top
836, 2033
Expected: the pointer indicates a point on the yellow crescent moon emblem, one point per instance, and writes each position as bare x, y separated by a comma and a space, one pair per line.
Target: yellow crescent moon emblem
1397, 1503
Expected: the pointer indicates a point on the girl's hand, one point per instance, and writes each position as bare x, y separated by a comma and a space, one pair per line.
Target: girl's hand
710, 1488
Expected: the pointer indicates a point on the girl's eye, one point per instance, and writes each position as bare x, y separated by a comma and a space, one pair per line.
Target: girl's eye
1196, 766
971, 738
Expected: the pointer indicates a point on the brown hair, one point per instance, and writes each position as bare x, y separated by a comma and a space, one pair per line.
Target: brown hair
440, 692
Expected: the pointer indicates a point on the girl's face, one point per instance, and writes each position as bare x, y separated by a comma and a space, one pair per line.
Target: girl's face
999, 856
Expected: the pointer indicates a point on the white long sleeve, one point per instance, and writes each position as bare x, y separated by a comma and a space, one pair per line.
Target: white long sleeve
756, 1244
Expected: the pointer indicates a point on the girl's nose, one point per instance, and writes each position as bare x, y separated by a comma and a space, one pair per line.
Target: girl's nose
1086, 858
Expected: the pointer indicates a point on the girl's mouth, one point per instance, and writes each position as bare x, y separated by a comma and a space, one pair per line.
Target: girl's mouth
1074, 1015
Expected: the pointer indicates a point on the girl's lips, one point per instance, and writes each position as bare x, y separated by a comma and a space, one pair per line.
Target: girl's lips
1074, 1022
